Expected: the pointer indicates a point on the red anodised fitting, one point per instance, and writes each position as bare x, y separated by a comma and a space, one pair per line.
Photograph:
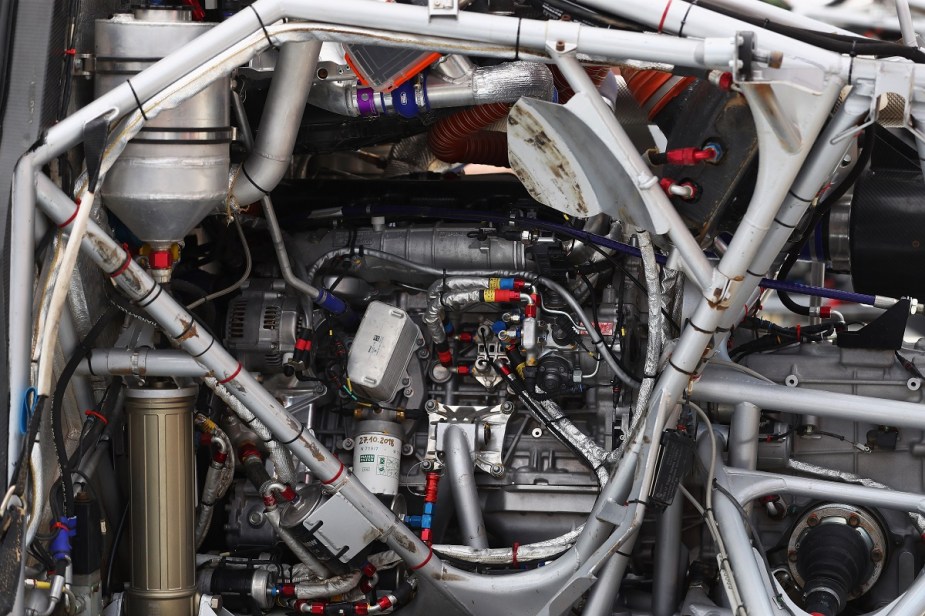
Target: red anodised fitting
384, 603
465, 337
430, 487
689, 156
361, 609
219, 457
247, 451
160, 260
463, 369
368, 569
684, 190
500, 295
289, 494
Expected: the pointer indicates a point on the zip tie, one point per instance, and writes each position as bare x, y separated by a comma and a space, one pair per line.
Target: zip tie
72, 217
336, 475
430, 555
137, 100
517, 41
661, 22
91, 413
264, 28
514, 553
251, 180
234, 374
123, 267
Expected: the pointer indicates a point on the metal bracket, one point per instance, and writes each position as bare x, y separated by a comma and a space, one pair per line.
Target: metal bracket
442, 8
341, 528
487, 426
562, 38
84, 65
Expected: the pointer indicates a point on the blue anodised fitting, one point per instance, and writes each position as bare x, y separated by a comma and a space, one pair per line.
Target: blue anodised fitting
498, 326
506, 283
330, 302
448, 328
403, 100
413, 521
61, 542
428, 517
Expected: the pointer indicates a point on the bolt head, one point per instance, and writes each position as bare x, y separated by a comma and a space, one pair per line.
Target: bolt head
812, 520
426, 465
347, 444
792, 556
853, 520
430, 405
560, 45
215, 602
496, 470
507, 408
876, 555
407, 449
255, 519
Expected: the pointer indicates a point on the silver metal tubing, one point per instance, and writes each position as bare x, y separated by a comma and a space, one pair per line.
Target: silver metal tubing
906, 25
461, 474
749, 485
276, 234
502, 83
823, 159
699, 22
525, 34
668, 549
22, 274
604, 593
182, 327
141, 363
724, 386
749, 578
743, 436
780, 16
654, 198
279, 125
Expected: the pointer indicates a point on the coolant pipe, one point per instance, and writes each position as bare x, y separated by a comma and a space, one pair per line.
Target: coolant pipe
461, 474
603, 241
324, 299
279, 126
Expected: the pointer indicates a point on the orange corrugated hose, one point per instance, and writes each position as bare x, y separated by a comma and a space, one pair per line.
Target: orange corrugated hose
654, 89
462, 138
597, 74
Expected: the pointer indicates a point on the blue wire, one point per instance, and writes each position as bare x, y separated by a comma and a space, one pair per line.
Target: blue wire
28, 408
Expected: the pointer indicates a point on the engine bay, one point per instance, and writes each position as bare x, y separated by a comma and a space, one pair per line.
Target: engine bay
470, 307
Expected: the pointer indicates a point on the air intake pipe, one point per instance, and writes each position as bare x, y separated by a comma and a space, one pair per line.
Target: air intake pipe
279, 125
502, 83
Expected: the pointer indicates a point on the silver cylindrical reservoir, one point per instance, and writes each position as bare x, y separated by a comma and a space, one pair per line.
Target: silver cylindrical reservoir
377, 456
163, 506
175, 171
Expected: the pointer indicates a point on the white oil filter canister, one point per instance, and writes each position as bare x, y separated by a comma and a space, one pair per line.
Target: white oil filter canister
377, 456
